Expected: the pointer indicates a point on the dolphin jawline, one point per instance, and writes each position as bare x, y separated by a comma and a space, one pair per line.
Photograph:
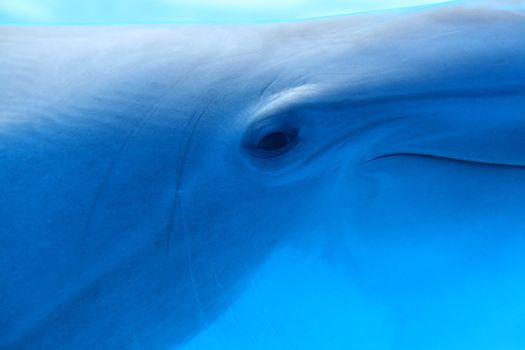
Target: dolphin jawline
443, 157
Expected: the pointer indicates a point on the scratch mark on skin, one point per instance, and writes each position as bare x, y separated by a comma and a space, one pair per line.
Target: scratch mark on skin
179, 169
268, 86
132, 134
223, 294
189, 258
276, 329
107, 176
178, 206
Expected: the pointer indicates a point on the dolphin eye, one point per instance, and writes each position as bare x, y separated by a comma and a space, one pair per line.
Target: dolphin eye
275, 143
272, 137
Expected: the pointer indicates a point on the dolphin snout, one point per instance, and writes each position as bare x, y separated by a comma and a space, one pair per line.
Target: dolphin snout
485, 131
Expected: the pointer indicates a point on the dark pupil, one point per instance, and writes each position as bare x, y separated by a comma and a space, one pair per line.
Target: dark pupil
275, 141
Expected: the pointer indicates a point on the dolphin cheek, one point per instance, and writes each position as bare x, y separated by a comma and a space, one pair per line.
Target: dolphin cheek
427, 231
418, 200
231, 233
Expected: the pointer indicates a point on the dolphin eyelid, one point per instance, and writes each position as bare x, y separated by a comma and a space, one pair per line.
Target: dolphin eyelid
271, 136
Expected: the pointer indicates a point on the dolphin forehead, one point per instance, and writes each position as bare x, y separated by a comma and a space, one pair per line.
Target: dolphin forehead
451, 49
436, 51
393, 53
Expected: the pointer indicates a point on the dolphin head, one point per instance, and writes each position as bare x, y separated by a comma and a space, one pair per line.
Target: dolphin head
390, 149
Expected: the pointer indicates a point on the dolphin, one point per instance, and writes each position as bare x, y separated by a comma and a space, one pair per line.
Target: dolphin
353, 182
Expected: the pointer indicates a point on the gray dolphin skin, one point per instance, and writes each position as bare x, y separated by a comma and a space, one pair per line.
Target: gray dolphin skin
354, 182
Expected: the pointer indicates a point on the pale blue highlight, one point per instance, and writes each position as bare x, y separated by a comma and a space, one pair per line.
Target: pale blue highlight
58, 12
